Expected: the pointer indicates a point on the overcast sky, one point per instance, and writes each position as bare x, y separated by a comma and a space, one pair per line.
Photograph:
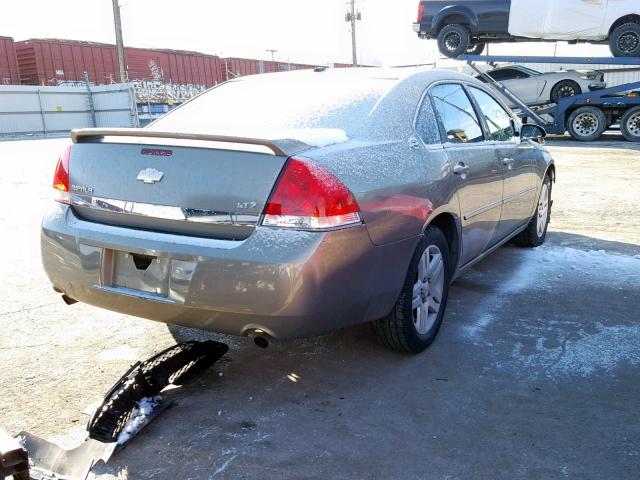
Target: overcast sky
305, 31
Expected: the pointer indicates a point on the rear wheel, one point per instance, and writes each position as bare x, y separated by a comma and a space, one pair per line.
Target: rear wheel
630, 124
476, 49
417, 316
454, 40
564, 89
625, 40
587, 124
536, 232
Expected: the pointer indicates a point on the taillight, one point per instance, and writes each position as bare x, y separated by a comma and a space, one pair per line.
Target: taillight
308, 197
61, 177
420, 13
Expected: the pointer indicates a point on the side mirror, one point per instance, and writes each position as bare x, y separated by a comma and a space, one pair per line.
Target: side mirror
533, 132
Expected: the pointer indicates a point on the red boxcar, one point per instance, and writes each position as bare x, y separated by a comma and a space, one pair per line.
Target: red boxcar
9, 74
50, 61
239, 67
173, 66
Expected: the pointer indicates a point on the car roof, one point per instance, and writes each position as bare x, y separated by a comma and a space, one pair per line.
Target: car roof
398, 74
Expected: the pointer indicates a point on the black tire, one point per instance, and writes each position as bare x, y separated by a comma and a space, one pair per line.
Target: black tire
477, 49
454, 40
625, 40
630, 124
532, 236
587, 124
565, 89
398, 330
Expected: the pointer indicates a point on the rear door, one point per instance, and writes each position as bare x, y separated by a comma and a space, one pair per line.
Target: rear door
517, 161
475, 165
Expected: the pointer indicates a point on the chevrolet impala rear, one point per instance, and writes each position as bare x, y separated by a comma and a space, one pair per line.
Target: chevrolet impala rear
220, 217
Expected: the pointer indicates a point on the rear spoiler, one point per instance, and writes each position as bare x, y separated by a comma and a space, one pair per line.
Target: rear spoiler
282, 147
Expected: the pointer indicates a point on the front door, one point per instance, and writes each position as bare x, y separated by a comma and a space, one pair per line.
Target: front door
474, 163
517, 161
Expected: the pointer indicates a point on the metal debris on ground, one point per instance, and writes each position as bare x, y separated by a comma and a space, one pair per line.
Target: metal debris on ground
128, 407
14, 460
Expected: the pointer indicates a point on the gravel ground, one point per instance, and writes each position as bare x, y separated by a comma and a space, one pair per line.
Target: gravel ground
534, 375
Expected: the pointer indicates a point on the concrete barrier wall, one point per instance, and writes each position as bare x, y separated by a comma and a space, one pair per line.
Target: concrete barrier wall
27, 110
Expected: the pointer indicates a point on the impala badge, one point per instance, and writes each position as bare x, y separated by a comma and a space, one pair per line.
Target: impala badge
150, 176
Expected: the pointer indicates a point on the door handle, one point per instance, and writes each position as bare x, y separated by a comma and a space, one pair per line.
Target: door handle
461, 169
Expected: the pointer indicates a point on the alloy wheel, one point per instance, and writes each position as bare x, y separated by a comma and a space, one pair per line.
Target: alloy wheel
567, 91
629, 42
428, 290
452, 41
543, 210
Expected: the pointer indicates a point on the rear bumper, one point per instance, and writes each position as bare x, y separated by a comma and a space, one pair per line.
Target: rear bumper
289, 284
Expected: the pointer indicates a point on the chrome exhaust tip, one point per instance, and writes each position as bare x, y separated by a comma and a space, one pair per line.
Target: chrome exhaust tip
260, 338
68, 300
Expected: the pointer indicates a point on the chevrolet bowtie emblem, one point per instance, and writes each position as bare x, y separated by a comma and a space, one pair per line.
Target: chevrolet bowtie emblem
150, 176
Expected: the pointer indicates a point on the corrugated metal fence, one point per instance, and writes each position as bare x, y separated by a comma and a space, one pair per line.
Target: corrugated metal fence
26, 110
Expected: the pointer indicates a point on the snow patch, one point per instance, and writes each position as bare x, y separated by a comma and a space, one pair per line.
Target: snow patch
476, 328
584, 355
316, 137
225, 465
565, 344
139, 419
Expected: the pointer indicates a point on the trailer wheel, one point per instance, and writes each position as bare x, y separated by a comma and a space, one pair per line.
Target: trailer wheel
587, 124
454, 40
630, 124
564, 89
625, 40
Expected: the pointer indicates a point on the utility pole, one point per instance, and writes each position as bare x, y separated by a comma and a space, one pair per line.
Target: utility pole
352, 17
273, 53
119, 42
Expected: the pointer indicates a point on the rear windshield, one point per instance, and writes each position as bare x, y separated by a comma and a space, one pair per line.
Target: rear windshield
262, 106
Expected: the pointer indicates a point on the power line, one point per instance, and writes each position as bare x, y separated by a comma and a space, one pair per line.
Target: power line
273, 53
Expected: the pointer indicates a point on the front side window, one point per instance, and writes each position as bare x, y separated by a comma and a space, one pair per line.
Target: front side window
498, 121
461, 125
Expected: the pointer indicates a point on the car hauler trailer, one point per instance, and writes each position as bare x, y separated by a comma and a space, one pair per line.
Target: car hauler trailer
586, 116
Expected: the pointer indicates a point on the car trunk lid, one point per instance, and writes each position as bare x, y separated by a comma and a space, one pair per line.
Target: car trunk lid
197, 185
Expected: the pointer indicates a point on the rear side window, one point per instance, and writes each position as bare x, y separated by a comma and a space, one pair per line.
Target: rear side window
499, 122
507, 74
459, 120
426, 123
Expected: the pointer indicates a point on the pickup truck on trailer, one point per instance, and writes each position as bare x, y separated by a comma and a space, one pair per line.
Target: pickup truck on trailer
466, 26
